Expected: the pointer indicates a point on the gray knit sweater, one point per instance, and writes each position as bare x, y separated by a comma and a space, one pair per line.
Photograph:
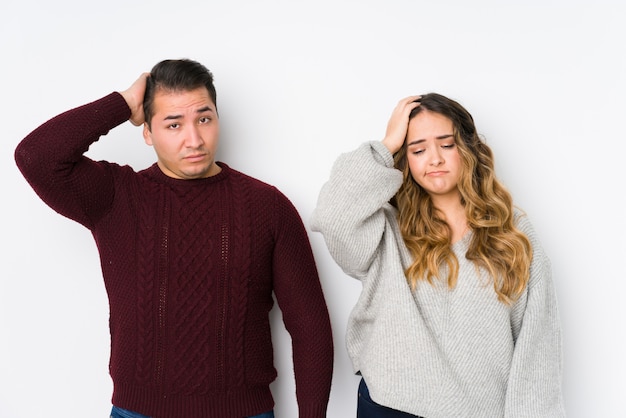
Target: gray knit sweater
436, 352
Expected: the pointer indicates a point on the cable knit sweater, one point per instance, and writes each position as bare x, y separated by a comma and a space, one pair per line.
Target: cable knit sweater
436, 352
189, 267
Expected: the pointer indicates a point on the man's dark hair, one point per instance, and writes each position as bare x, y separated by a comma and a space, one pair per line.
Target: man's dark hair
176, 76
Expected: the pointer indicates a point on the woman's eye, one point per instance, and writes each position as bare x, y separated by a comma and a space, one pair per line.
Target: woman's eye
448, 146
416, 152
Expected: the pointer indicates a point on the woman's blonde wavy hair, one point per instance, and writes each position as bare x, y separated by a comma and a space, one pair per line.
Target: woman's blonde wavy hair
496, 245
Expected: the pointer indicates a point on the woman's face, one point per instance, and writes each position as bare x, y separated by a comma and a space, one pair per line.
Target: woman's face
432, 154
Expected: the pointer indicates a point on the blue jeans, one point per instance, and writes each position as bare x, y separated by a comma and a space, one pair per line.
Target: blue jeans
367, 408
124, 413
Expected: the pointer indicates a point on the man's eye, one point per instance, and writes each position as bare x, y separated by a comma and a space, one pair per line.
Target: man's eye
205, 119
174, 126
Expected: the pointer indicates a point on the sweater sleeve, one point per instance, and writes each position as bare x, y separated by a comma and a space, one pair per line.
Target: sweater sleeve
52, 160
305, 314
350, 208
534, 387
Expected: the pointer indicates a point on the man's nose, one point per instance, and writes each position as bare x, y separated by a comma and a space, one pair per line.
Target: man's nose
193, 137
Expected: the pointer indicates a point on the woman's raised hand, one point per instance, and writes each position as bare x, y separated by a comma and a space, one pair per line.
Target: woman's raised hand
399, 123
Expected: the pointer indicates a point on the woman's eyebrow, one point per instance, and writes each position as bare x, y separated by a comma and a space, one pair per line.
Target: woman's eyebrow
418, 141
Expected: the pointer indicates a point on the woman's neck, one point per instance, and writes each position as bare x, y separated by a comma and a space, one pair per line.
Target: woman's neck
454, 214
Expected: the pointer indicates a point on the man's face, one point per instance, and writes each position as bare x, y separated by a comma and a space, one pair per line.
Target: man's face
184, 134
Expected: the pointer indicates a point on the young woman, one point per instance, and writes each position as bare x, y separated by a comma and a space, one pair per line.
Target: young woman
457, 316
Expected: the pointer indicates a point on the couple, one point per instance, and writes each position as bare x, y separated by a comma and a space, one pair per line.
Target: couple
457, 316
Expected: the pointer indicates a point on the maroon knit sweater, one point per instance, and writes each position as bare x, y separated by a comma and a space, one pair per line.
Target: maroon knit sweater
189, 267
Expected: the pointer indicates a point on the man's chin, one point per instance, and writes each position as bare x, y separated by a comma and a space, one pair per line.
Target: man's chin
192, 173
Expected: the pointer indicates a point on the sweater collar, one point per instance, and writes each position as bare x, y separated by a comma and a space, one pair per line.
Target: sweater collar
155, 172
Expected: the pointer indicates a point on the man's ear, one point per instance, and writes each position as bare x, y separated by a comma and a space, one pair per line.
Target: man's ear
147, 135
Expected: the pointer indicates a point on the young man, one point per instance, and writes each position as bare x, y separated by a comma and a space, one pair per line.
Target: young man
191, 251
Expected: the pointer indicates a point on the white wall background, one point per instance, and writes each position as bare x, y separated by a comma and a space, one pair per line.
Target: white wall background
298, 83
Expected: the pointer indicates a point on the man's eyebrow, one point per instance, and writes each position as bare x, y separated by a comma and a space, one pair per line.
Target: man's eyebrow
201, 110
205, 109
419, 141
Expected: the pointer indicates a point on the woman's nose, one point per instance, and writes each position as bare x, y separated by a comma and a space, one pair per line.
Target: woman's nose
437, 158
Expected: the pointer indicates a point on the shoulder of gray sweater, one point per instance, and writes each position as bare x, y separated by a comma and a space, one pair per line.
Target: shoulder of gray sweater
541, 268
